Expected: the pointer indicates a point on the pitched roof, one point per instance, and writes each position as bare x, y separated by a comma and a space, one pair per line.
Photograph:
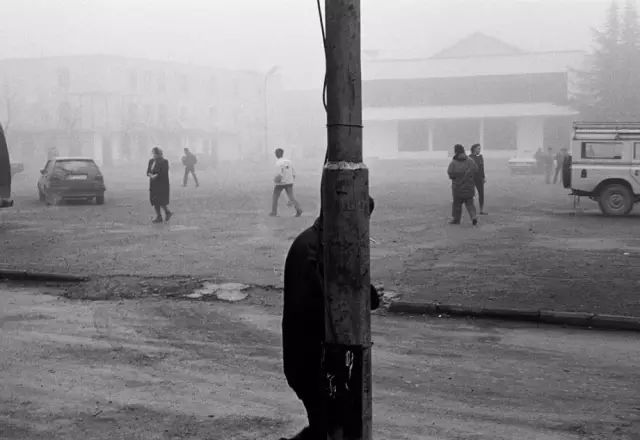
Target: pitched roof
478, 44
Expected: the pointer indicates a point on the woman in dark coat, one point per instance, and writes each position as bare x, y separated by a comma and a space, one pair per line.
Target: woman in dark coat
158, 173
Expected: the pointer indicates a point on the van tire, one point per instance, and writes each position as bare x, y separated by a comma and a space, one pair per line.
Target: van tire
566, 172
615, 200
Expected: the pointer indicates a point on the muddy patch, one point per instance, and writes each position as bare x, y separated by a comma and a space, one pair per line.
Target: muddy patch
107, 420
116, 288
22, 317
588, 244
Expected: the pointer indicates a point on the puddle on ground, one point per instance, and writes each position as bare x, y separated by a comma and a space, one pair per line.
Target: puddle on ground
231, 292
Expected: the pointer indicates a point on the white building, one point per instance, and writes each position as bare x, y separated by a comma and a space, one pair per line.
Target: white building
479, 90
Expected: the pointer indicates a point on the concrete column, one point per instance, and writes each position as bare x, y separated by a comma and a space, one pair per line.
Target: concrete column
97, 153
432, 128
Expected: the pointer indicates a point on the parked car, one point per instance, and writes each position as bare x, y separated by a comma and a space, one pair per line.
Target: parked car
523, 165
5, 173
604, 165
71, 178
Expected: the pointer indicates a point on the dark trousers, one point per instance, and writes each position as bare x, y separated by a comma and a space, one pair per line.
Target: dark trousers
192, 171
277, 190
456, 210
302, 368
480, 189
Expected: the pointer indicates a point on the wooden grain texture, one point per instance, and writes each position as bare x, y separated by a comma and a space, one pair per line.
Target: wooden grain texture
345, 206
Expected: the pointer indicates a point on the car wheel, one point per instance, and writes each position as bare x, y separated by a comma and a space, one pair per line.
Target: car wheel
100, 200
615, 200
53, 200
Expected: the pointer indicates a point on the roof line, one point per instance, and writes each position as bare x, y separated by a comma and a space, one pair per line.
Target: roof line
126, 58
382, 60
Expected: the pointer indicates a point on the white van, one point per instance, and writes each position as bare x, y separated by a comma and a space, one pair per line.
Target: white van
604, 165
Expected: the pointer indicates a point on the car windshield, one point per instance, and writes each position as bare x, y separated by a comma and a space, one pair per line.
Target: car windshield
76, 166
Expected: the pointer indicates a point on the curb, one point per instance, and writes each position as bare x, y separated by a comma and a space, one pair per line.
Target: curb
576, 319
23, 275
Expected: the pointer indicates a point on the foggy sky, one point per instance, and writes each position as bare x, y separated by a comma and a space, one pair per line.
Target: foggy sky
258, 34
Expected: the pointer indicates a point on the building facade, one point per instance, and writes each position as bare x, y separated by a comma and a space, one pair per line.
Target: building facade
479, 90
115, 109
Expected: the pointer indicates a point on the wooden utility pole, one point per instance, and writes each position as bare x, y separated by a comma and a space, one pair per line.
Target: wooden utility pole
345, 206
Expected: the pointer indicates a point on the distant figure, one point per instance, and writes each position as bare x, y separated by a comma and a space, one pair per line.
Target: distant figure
539, 157
548, 165
189, 160
303, 328
480, 179
560, 158
158, 173
283, 180
52, 153
462, 172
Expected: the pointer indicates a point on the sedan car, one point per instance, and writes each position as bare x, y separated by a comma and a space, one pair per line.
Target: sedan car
71, 178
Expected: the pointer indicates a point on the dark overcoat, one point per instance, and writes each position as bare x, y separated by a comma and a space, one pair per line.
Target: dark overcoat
462, 172
159, 187
303, 314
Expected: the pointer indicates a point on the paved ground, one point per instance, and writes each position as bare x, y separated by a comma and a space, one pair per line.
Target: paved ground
531, 251
175, 369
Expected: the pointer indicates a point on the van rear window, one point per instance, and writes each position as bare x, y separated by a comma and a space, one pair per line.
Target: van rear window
602, 150
76, 166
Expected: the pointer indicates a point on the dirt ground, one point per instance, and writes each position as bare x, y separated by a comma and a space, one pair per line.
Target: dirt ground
532, 250
162, 368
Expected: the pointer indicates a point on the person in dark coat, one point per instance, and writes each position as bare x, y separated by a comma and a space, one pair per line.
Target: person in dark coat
462, 172
303, 325
189, 161
158, 173
560, 158
480, 179
548, 165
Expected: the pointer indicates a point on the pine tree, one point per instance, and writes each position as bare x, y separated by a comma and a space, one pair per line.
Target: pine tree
630, 56
610, 88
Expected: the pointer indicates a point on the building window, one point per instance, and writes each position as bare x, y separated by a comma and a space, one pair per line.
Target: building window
162, 82
148, 117
184, 84
213, 86
64, 78
147, 79
133, 113
602, 150
133, 80
162, 114
64, 114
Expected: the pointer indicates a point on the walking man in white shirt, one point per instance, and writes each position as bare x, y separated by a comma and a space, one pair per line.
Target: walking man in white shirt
283, 180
